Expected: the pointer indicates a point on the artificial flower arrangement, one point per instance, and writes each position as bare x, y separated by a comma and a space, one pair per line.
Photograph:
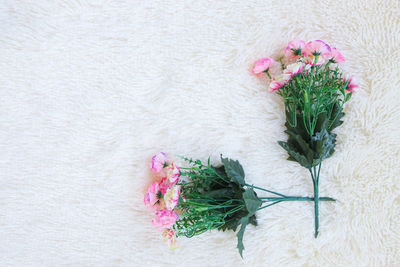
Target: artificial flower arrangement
314, 91
188, 201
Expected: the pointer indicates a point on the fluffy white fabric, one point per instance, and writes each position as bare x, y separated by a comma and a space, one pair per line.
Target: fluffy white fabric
90, 91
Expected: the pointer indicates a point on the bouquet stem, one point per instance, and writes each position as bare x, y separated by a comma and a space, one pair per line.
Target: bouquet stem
315, 179
316, 211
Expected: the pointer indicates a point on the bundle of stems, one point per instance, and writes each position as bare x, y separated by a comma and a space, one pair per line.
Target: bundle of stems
219, 198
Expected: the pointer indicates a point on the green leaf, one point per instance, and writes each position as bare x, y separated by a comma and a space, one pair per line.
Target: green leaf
223, 192
244, 221
324, 145
302, 160
336, 117
322, 122
234, 170
347, 97
251, 201
253, 220
303, 145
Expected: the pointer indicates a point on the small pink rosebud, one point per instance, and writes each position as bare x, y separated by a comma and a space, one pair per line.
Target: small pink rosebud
170, 238
158, 161
350, 84
262, 65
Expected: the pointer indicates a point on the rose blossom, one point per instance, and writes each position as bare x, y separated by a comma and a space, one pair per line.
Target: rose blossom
164, 219
158, 161
262, 65
294, 49
171, 198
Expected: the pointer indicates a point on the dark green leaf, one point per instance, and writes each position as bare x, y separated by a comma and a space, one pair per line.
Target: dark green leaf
253, 220
322, 122
234, 170
302, 160
244, 221
251, 201
304, 147
324, 145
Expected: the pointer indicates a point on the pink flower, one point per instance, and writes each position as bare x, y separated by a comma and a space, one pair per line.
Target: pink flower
336, 57
152, 197
164, 219
171, 198
294, 49
350, 85
262, 65
158, 161
173, 173
294, 68
317, 48
170, 238
164, 185
278, 82
310, 60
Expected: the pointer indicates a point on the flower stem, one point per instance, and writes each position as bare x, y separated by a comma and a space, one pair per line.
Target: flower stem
270, 199
315, 179
262, 189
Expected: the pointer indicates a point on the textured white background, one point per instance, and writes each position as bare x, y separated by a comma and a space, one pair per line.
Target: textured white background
90, 91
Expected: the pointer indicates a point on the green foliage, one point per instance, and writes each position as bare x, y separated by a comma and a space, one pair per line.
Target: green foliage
234, 170
252, 203
313, 102
215, 198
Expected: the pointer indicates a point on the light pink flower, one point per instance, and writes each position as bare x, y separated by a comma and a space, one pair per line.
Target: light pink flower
262, 65
170, 238
278, 82
294, 50
336, 57
151, 198
171, 198
164, 185
294, 68
310, 60
164, 219
158, 161
317, 48
173, 173
350, 84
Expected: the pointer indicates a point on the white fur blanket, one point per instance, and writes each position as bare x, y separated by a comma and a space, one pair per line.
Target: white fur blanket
91, 90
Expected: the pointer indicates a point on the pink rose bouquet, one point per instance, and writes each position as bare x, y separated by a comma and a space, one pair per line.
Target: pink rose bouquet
314, 91
191, 200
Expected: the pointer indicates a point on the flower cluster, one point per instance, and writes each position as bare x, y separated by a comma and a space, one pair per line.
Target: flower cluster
301, 57
162, 197
314, 92
191, 200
